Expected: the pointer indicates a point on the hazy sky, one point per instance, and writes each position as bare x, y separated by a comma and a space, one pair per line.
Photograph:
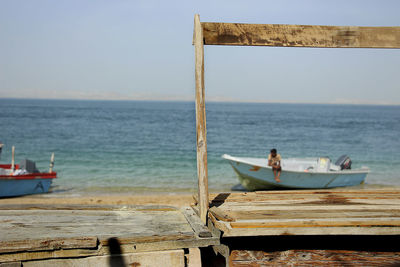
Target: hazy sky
120, 49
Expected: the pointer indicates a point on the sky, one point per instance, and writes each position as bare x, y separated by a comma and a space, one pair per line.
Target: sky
142, 50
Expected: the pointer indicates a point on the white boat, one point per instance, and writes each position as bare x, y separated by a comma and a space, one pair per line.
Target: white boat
255, 174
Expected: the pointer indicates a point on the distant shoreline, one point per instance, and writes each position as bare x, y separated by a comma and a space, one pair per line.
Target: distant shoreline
218, 101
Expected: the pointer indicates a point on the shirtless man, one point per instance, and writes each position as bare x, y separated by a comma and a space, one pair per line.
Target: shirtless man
274, 160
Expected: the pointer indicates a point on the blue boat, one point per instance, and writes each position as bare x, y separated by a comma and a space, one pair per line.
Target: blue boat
24, 178
297, 173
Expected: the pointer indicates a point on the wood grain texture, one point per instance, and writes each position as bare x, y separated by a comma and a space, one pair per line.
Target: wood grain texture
201, 144
172, 258
35, 232
329, 222
221, 215
197, 225
303, 257
11, 264
193, 258
48, 244
307, 212
47, 254
64, 224
300, 35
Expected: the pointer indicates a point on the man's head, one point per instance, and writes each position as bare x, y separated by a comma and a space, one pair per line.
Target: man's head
273, 152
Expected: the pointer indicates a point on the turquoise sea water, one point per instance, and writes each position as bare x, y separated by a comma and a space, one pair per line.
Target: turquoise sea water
141, 146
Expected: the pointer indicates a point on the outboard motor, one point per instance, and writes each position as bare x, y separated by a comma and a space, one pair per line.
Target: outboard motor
344, 162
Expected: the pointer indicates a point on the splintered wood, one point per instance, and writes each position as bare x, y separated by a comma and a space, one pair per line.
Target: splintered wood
282, 35
307, 212
321, 257
201, 128
36, 232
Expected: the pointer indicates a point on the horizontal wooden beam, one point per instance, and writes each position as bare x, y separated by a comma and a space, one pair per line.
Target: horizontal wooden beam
300, 35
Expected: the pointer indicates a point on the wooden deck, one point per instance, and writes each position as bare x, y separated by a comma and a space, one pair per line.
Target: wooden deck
38, 235
245, 228
339, 227
307, 212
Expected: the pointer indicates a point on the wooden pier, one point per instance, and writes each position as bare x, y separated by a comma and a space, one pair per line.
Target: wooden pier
307, 227
307, 212
38, 235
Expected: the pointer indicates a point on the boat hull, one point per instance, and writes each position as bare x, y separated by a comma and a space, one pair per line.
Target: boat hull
25, 184
20, 187
256, 177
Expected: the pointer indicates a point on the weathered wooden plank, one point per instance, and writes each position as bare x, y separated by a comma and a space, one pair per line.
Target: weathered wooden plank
156, 258
39, 224
201, 130
144, 238
48, 244
264, 206
260, 206
304, 257
304, 196
331, 222
300, 35
220, 225
301, 231
193, 258
221, 215
36, 234
78, 207
145, 245
48, 254
351, 227
103, 233
308, 212
111, 215
211, 224
306, 204
326, 200
311, 214
197, 225
163, 245
11, 264
308, 193
330, 199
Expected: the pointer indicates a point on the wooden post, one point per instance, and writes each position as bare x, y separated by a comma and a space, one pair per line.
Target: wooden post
202, 172
12, 158
51, 163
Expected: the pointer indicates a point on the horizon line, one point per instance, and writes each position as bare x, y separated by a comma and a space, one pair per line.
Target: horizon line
213, 100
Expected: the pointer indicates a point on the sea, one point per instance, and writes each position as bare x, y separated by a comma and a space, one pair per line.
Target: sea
141, 147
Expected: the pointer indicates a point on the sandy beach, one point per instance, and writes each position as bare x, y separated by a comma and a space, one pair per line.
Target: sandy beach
181, 199
177, 200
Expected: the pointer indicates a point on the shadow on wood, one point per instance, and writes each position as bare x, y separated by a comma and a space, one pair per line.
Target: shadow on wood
116, 258
219, 199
